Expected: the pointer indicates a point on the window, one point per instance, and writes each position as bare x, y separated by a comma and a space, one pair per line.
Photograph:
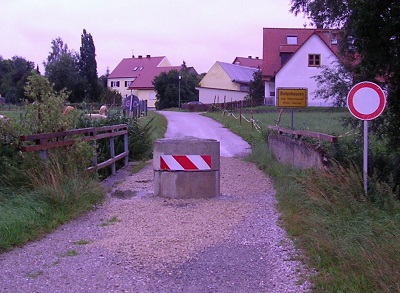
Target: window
141, 68
115, 84
291, 39
134, 69
314, 60
128, 83
285, 57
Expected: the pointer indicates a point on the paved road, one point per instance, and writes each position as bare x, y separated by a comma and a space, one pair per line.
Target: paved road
181, 124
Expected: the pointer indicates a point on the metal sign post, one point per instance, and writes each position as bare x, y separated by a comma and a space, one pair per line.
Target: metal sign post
365, 157
366, 101
292, 98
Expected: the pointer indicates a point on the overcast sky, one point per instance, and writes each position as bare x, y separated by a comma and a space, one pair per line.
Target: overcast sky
198, 32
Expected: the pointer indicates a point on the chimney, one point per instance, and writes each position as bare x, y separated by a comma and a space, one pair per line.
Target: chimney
257, 58
133, 56
140, 56
147, 56
249, 57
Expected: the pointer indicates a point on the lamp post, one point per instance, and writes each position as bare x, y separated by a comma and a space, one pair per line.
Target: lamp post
179, 91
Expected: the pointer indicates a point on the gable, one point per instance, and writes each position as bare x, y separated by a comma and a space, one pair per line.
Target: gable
298, 63
227, 76
280, 44
216, 77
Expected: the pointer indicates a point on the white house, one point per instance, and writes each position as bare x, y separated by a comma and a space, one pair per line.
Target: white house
292, 57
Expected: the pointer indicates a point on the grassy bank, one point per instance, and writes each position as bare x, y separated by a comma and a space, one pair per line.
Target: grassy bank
351, 241
37, 198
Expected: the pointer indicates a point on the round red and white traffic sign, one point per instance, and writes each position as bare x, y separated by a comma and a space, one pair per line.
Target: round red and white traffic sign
366, 100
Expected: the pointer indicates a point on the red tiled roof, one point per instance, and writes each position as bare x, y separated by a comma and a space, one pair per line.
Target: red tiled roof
141, 70
144, 79
248, 62
125, 68
275, 43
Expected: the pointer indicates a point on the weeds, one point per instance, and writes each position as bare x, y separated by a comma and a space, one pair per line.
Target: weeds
351, 240
111, 221
82, 242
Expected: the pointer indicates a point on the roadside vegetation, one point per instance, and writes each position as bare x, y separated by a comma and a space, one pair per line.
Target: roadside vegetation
351, 240
37, 195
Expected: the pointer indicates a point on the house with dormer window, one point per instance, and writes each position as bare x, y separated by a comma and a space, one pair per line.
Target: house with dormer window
292, 57
134, 76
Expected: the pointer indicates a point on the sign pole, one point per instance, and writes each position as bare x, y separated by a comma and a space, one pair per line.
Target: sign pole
291, 112
366, 101
365, 163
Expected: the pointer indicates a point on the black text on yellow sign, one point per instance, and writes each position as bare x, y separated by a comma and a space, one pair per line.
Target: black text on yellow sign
292, 97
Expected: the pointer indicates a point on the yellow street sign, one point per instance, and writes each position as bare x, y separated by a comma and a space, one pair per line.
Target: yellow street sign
292, 97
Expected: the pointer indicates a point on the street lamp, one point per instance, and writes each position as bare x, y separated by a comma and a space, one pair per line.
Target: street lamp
179, 91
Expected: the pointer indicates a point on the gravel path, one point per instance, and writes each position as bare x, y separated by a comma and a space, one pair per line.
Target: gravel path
136, 242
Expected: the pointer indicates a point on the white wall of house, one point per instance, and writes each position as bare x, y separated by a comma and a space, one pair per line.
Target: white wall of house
149, 95
145, 94
210, 95
142, 94
123, 85
297, 74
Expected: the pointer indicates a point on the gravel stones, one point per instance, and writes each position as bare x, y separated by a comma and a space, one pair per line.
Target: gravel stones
136, 242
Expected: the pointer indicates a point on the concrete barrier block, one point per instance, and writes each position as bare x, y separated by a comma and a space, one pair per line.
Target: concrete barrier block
174, 178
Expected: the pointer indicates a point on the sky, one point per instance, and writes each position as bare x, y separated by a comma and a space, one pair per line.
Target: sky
197, 32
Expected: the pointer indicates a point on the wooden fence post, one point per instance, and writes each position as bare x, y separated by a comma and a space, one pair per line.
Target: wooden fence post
126, 148
94, 160
112, 154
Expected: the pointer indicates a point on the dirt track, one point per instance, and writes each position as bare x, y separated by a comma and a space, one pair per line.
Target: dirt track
136, 242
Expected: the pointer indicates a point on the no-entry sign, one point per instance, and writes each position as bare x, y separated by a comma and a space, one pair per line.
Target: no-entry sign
366, 100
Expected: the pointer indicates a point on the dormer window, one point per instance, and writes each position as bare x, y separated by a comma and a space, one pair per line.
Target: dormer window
291, 40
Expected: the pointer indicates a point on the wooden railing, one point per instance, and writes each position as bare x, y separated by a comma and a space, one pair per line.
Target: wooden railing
300, 133
44, 141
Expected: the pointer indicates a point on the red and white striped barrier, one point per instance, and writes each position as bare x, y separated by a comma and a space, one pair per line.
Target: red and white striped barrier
185, 162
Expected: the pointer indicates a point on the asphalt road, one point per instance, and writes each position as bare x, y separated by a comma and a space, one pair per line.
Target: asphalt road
181, 124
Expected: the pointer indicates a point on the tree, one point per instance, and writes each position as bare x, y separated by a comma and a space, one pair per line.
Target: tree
168, 85
62, 70
14, 74
371, 35
46, 113
88, 66
257, 88
334, 83
189, 82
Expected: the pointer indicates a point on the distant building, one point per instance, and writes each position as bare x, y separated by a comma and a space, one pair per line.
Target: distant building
228, 82
249, 61
135, 76
291, 57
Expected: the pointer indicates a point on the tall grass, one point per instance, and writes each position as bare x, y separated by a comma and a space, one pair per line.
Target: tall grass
351, 240
52, 192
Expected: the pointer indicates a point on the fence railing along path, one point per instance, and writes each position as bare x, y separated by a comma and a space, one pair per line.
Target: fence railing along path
299, 133
44, 141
